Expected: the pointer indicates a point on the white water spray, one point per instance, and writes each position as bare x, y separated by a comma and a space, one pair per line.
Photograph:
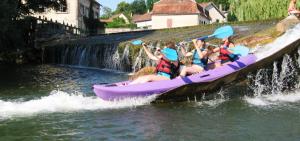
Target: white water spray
271, 90
59, 101
289, 37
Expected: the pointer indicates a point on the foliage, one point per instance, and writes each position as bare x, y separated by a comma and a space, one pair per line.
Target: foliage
119, 23
123, 7
225, 3
106, 12
150, 4
138, 7
245, 10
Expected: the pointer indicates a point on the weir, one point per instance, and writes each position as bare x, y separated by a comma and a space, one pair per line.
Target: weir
114, 51
282, 50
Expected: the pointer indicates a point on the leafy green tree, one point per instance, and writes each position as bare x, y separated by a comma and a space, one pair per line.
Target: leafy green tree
117, 22
138, 7
150, 4
245, 10
106, 12
120, 23
123, 7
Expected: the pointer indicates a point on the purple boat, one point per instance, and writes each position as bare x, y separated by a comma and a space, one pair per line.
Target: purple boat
178, 87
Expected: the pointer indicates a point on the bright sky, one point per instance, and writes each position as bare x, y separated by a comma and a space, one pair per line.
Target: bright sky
112, 3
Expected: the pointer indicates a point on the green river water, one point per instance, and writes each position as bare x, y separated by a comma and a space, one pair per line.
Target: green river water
56, 103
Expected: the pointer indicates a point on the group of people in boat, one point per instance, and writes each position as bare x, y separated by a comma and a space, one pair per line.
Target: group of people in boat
169, 65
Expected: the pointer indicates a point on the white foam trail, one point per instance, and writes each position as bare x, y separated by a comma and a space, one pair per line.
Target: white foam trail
289, 37
212, 103
59, 101
274, 99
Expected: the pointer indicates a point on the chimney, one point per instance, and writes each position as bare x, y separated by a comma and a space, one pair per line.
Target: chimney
220, 8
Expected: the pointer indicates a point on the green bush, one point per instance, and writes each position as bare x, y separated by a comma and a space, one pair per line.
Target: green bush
120, 23
245, 10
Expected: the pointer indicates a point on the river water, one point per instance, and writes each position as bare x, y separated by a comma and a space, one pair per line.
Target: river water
52, 102
56, 103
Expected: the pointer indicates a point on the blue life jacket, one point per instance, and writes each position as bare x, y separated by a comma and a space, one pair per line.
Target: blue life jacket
197, 61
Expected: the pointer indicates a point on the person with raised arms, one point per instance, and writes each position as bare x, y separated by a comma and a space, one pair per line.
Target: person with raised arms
199, 58
167, 64
225, 54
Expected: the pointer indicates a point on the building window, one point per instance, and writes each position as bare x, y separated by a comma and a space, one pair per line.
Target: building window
82, 10
63, 7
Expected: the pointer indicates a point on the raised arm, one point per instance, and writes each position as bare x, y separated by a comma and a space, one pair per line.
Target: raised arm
149, 54
184, 53
198, 48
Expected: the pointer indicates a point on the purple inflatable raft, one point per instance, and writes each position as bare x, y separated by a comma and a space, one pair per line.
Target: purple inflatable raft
121, 90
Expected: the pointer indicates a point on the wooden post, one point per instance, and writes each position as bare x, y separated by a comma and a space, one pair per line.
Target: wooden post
56, 24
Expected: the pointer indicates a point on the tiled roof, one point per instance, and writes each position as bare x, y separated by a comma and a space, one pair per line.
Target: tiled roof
175, 7
179, 7
141, 18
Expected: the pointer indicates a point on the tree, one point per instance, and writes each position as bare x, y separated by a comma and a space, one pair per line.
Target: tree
107, 12
150, 4
245, 10
138, 7
123, 7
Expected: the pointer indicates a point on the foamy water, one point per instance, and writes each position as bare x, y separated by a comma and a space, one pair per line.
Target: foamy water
265, 51
59, 101
274, 99
289, 37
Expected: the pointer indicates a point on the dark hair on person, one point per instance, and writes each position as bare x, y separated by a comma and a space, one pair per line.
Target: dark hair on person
171, 44
230, 39
210, 48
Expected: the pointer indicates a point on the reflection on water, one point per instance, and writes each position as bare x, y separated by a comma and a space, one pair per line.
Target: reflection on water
56, 103
41, 80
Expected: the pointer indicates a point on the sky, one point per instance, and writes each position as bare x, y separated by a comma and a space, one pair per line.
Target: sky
112, 3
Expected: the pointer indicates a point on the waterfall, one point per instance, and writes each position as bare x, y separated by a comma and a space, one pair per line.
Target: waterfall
82, 57
282, 77
137, 65
99, 55
125, 61
115, 61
